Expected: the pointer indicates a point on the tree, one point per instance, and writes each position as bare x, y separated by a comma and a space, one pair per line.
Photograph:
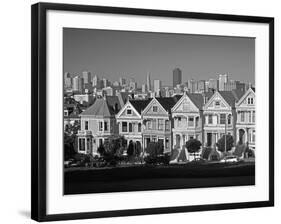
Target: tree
193, 146
69, 146
101, 150
131, 149
229, 143
154, 149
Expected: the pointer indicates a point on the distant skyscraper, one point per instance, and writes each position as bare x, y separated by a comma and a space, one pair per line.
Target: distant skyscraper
67, 80
222, 80
87, 77
105, 82
157, 87
201, 86
177, 77
213, 84
122, 81
78, 84
148, 82
192, 86
144, 88
95, 81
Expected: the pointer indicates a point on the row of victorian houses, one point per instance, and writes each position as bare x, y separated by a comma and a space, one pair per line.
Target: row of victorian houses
171, 121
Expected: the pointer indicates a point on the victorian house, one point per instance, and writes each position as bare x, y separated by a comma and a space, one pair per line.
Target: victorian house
246, 118
98, 124
220, 116
129, 121
187, 116
157, 122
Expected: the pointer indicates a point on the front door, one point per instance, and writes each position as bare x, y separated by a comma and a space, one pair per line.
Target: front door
209, 139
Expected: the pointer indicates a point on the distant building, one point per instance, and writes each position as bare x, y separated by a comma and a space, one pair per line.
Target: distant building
133, 85
67, 80
157, 87
148, 82
177, 77
122, 81
144, 88
84, 98
78, 84
95, 81
87, 77
222, 80
213, 84
192, 86
201, 86
105, 82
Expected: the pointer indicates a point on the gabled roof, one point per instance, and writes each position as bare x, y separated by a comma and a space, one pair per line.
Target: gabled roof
197, 99
244, 95
231, 97
168, 102
103, 107
140, 105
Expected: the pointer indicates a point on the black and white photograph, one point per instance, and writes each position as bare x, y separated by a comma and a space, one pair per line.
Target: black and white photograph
157, 111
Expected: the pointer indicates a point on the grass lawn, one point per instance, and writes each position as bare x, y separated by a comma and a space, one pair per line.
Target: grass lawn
142, 177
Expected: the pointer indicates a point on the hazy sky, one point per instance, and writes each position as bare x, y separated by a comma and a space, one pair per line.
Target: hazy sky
112, 54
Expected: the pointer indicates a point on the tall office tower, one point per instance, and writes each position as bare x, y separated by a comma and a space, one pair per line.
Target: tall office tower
157, 87
95, 81
78, 84
222, 80
144, 88
87, 77
105, 82
67, 80
201, 86
213, 84
192, 86
148, 82
177, 77
122, 81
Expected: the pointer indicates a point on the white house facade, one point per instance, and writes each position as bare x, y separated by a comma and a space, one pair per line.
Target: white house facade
246, 119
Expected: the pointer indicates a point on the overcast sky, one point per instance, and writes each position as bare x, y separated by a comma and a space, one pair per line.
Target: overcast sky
112, 54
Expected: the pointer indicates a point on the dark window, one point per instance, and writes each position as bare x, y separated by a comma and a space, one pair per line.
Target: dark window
139, 127
105, 126
86, 125
154, 109
210, 119
222, 118
124, 126
130, 127
129, 111
81, 144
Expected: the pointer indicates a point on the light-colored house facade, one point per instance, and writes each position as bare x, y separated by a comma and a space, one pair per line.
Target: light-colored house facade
157, 122
246, 119
187, 118
98, 124
220, 116
129, 121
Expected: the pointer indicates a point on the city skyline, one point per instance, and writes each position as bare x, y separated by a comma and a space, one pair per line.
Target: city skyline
205, 57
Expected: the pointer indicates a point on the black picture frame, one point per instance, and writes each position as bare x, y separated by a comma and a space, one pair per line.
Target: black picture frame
38, 108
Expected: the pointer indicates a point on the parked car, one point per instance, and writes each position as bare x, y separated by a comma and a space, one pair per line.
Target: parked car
230, 159
68, 163
198, 160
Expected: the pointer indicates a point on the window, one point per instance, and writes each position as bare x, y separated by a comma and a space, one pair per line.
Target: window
197, 121
130, 127
86, 125
242, 116
179, 122
210, 119
191, 137
154, 124
250, 100
254, 136
81, 144
139, 127
167, 125
124, 126
149, 124
154, 108
222, 118
129, 111
254, 116
229, 119
190, 121
217, 103
105, 126
167, 143
160, 124
100, 126
250, 117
